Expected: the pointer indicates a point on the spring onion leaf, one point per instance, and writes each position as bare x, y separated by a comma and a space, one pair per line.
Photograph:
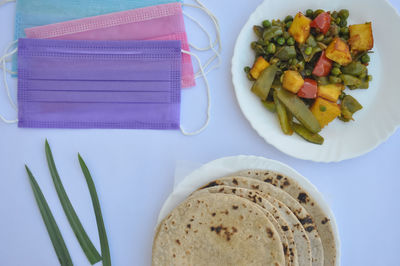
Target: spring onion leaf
105, 250
51, 225
87, 246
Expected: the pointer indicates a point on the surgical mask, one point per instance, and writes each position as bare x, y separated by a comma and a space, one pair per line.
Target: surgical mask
161, 22
99, 84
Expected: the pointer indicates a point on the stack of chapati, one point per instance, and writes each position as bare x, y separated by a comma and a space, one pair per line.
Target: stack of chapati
255, 217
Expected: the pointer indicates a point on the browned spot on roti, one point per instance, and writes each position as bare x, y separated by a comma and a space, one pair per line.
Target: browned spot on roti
268, 180
270, 233
325, 220
211, 184
234, 181
285, 228
279, 177
178, 242
303, 197
235, 207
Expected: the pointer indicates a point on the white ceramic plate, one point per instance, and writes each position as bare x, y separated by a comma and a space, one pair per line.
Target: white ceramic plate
380, 116
230, 165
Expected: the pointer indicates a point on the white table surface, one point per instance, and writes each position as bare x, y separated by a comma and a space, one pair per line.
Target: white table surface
134, 170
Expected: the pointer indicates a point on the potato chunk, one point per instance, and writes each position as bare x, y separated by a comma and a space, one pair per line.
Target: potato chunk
339, 52
325, 111
292, 81
300, 28
258, 67
330, 92
361, 38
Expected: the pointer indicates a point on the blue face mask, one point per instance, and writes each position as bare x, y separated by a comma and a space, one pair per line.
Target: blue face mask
31, 13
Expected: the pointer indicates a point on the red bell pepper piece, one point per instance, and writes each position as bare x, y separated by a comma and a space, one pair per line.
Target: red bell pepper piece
322, 22
323, 66
309, 89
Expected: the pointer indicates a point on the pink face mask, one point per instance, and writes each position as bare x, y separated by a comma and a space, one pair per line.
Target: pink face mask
162, 22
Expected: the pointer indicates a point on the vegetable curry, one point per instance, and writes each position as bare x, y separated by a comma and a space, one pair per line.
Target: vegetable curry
303, 65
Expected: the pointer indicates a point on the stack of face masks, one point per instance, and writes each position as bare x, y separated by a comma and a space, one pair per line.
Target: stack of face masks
116, 70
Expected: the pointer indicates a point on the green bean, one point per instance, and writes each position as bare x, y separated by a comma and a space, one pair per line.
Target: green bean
350, 80
282, 115
307, 135
253, 45
290, 41
354, 68
334, 14
349, 106
260, 50
258, 31
274, 61
263, 84
270, 106
250, 77
363, 75
336, 65
299, 109
286, 52
311, 41
300, 65
266, 24
327, 40
338, 20
272, 32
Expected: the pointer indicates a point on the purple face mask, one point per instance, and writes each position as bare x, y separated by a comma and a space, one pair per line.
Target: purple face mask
99, 84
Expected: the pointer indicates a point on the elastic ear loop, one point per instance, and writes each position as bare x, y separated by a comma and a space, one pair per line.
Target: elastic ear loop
210, 60
208, 98
9, 46
212, 45
3, 61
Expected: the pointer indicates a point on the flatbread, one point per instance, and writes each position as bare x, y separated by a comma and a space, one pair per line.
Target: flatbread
281, 226
293, 188
217, 230
317, 252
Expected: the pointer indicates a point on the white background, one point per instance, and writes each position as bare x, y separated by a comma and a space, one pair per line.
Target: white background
134, 170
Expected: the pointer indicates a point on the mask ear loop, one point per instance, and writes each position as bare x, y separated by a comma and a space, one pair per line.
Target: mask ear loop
184, 132
3, 62
211, 46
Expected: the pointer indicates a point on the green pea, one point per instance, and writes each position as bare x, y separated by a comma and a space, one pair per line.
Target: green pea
276, 22
266, 23
344, 13
317, 12
247, 69
309, 13
322, 108
271, 48
336, 64
365, 59
370, 78
344, 30
335, 14
308, 50
288, 18
308, 72
294, 61
320, 37
290, 41
281, 41
338, 20
288, 24
343, 23
336, 71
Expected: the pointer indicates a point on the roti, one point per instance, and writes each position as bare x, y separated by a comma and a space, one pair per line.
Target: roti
283, 228
293, 188
306, 220
217, 229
